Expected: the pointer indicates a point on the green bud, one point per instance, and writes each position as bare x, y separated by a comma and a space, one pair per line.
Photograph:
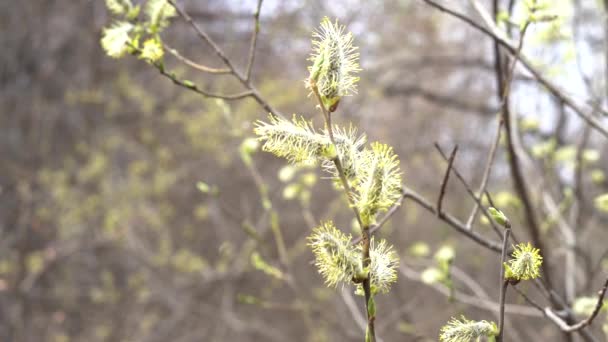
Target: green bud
371, 307
499, 217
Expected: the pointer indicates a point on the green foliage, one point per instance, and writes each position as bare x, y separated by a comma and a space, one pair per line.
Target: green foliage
335, 62
525, 263
464, 330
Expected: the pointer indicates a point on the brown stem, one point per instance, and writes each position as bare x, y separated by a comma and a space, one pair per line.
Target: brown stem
504, 283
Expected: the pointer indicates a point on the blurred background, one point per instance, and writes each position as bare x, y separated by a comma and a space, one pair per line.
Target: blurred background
127, 212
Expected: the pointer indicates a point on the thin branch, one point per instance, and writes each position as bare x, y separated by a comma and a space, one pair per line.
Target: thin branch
486, 172
446, 178
503, 93
220, 53
254, 41
471, 193
198, 90
194, 65
529, 300
387, 216
474, 301
503, 282
452, 221
365, 231
495, 33
587, 321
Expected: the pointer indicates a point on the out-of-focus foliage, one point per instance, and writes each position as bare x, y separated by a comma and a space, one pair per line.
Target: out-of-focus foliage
105, 235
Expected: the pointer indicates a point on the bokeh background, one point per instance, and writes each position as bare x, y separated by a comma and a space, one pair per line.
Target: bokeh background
105, 235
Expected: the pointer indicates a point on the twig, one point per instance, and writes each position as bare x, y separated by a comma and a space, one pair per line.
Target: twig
587, 321
336, 160
446, 178
220, 53
528, 299
254, 41
503, 282
486, 172
198, 90
474, 301
193, 64
471, 193
453, 222
365, 229
509, 46
502, 87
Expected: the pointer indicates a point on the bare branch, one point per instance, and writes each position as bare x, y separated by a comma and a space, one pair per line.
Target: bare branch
486, 171
495, 33
452, 221
220, 53
504, 284
196, 89
446, 178
193, 64
471, 193
587, 321
254, 41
